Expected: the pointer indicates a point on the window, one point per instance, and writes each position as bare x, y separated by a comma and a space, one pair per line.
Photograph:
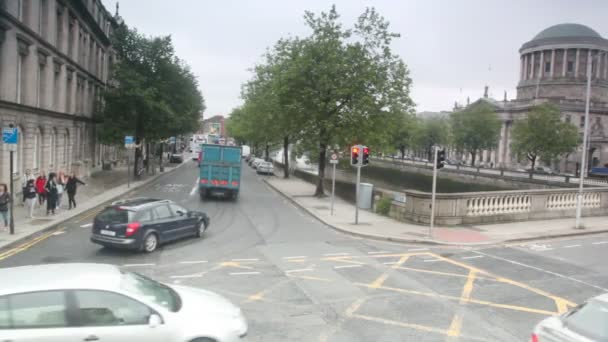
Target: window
590, 320
21, 79
144, 216
38, 310
41, 81
175, 208
162, 212
37, 153
56, 85
582, 122
570, 66
52, 152
100, 308
71, 36
59, 27
5, 319
547, 66
42, 18
115, 215
154, 291
68, 92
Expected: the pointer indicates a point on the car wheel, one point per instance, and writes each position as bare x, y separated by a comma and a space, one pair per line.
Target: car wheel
203, 339
150, 243
200, 229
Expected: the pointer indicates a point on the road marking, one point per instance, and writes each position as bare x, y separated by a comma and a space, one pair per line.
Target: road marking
309, 278
390, 263
378, 252
456, 325
472, 257
242, 260
243, 273
88, 225
299, 270
572, 246
195, 187
599, 243
58, 232
294, 257
26, 245
417, 249
431, 260
544, 249
194, 262
196, 275
138, 265
347, 266
335, 254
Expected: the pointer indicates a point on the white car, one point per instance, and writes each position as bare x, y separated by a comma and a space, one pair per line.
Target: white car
587, 322
256, 162
97, 302
265, 167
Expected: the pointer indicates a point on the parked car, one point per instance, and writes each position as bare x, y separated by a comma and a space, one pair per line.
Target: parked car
585, 323
257, 162
251, 160
99, 302
265, 168
144, 223
542, 170
176, 158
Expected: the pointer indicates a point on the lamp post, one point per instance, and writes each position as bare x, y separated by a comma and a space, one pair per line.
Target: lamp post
583, 168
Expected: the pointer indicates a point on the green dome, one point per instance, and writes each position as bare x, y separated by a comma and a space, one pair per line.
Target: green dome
567, 30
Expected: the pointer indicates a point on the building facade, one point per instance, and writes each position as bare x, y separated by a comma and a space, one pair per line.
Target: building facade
55, 57
553, 68
215, 126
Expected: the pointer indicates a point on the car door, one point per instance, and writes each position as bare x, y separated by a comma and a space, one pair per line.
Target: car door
107, 316
185, 224
164, 222
37, 317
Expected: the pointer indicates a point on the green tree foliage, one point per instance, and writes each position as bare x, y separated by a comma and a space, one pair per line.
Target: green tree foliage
542, 134
427, 132
153, 95
474, 129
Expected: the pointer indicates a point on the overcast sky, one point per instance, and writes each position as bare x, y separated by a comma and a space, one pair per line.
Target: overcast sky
453, 48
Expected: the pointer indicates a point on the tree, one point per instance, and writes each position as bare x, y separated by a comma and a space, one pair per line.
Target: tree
401, 133
429, 132
543, 135
474, 129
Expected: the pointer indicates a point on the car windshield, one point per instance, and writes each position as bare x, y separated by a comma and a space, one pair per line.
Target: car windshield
156, 292
590, 320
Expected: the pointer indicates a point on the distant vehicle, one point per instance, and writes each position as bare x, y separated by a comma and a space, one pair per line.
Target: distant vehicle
195, 143
99, 302
265, 168
584, 323
144, 223
257, 162
599, 172
220, 171
246, 151
176, 158
542, 170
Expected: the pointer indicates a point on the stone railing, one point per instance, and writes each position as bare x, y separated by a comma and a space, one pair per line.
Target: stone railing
498, 206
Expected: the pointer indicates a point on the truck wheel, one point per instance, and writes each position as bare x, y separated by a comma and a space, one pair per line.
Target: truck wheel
203, 194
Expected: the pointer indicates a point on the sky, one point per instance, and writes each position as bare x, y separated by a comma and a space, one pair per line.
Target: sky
452, 48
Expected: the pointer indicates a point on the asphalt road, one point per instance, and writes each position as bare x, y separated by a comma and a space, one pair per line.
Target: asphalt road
298, 280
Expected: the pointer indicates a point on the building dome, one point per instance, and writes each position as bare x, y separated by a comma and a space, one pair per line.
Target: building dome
567, 30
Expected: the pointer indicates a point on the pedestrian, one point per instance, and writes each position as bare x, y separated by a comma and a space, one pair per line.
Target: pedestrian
30, 197
51, 193
40, 184
70, 187
26, 178
61, 180
5, 198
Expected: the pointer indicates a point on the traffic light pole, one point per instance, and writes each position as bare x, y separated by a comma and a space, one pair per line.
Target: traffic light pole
357, 193
12, 195
435, 150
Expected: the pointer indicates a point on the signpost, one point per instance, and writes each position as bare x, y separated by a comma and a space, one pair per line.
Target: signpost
333, 162
10, 137
435, 150
129, 144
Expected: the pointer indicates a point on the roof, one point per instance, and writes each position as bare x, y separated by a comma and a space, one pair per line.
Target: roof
58, 276
567, 33
137, 202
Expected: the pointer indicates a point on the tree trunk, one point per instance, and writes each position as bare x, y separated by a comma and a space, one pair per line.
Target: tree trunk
286, 157
402, 149
136, 161
160, 159
319, 192
473, 155
533, 160
147, 158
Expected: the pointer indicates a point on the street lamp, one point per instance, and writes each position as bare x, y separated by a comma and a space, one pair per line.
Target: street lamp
583, 169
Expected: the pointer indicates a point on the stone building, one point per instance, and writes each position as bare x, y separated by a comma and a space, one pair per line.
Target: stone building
215, 126
55, 58
553, 68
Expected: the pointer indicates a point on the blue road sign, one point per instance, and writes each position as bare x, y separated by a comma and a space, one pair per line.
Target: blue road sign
129, 140
172, 140
10, 135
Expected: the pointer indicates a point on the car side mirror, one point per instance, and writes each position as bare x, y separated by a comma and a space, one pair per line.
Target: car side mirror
154, 321
180, 213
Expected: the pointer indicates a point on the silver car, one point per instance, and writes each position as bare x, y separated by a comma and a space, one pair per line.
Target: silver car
265, 167
96, 302
587, 322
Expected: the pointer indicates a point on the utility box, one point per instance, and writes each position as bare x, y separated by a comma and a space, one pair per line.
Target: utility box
366, 195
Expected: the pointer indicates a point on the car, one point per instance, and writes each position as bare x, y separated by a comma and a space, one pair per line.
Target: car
100, 302
585, 323
542, 170
176, 158
251, 160
265, 167
257, 162
145, 223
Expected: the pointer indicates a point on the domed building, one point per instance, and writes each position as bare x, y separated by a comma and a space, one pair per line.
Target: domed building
553, 68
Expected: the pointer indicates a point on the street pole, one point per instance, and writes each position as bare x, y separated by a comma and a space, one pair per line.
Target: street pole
357, 192
333, 188
435, 148
128, 171
583, 168
12, 196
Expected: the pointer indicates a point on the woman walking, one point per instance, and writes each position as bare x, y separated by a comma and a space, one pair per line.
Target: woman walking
71, 187
61, 181
51, 194
4, 200
29, 192
40, 184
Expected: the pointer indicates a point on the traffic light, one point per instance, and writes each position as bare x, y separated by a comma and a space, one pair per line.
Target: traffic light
440, 159
365, 156
354, 155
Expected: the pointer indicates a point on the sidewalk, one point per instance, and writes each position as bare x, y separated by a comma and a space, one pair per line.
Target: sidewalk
376, 226
101, 187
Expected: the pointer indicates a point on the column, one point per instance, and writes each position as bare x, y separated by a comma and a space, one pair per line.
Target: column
500, 160
605, 65
541, 65
508, 143
9, 53
589, 56
51, 15
521, 68
30, 72
598, 68
49, 85
532, 66
525, 67
75, 41
61, 105
578, 53
564, 62
552, 64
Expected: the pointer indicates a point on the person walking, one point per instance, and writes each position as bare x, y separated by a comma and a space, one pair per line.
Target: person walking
4, 201
30, 197
40, 184
51, 194
70, 187
26, 178
61, 180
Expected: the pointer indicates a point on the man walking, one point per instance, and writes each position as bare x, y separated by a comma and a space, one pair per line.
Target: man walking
26, 178
71, 187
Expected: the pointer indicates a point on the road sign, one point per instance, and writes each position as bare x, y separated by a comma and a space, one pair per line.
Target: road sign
10, 135
129, 141
334, 156
333, 161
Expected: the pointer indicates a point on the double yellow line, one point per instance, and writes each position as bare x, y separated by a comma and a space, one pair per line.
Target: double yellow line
24, 246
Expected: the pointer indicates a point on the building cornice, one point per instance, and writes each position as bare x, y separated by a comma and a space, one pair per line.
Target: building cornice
43, 112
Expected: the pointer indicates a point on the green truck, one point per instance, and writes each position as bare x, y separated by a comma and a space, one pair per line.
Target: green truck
220, 171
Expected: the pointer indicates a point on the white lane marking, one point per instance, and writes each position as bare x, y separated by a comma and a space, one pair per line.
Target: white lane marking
299, 270
88, 225
431, 260
195, 187
245, 259
572, 246
390, 263
194, 262
244, 273
197, 275
599, 243
542, 270
378, 252
295, 257
347, 266
137, 265
472, 257
59, 233
335, 254
417, 249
